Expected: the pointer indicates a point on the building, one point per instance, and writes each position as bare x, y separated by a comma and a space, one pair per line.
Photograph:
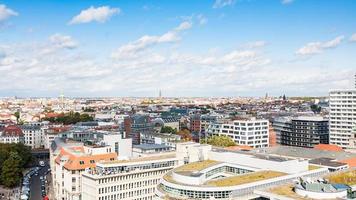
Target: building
222, 174
342, 105
253, 133
302, 131
134, 179
137, 124
71, 162
11, 134
34, 135
143, 150
168, 139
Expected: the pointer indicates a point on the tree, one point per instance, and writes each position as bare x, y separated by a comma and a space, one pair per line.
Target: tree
17, 115
168, 129
185, 135
315, 108
220, 141
12, 170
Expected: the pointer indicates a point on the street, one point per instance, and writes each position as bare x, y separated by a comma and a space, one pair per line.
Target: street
35, 186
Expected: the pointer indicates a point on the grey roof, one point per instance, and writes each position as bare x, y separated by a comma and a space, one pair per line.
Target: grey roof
151, 146
328, 162
308, 153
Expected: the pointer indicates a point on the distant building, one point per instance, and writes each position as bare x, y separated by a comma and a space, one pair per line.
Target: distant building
342, 117
302, 131
136, 124
11, 134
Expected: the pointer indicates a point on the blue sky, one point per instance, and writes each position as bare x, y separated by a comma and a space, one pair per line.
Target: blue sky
184, 48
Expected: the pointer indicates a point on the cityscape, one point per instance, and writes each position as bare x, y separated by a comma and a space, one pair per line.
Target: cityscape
175, 100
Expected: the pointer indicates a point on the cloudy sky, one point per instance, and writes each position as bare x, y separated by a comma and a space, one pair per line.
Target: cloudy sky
184, 48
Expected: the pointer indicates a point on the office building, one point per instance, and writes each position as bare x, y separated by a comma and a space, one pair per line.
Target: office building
134, 179
253, 133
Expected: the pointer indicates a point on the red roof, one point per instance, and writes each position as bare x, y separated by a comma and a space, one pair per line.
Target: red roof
12, 130
351, 162
328, 147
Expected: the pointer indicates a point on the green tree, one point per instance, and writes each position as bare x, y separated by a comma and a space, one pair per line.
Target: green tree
168, 129
17, 115
315, 108
12, 170
220, 141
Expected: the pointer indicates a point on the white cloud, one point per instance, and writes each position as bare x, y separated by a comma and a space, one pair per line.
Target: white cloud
256, 44
63, 41
99, 14
201, 19
353, 38
223, 3
318, 47
287, 1
6, 12
131, 49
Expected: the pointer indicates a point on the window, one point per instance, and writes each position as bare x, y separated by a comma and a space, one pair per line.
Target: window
92, 161
81, 162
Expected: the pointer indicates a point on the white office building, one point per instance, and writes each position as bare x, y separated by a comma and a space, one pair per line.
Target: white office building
134, 179
253, 133
342, 117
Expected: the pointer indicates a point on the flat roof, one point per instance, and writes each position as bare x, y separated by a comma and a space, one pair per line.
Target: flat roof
151, 146
196, 166
245, 178
307, 153
329, 162
141, 159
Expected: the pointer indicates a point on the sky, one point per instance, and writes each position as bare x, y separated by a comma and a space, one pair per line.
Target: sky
185, 48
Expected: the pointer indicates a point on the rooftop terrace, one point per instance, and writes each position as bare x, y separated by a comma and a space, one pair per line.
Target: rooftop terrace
245, 178
196, 166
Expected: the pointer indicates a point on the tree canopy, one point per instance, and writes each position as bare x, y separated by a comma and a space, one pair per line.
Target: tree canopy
13, 159
185, 135
168, 129
70, 118
220, 141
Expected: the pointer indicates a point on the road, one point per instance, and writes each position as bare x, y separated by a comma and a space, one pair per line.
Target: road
35, 186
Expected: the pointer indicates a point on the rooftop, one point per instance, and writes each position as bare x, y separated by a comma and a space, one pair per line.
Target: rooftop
308, 153
151, 146
245, 178
326, 162
142, 159
196, 166
348, 177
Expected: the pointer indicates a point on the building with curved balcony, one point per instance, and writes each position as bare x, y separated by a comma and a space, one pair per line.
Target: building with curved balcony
211, 179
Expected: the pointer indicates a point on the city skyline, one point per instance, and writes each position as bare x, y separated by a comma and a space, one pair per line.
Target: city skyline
191, 49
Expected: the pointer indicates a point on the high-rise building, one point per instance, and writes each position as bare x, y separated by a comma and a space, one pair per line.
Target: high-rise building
342, 116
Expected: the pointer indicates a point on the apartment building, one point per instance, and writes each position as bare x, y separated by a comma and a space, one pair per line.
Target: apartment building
342, 106
134, 179
253, 132
303, 131
34, 135
11, 134
71, 162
